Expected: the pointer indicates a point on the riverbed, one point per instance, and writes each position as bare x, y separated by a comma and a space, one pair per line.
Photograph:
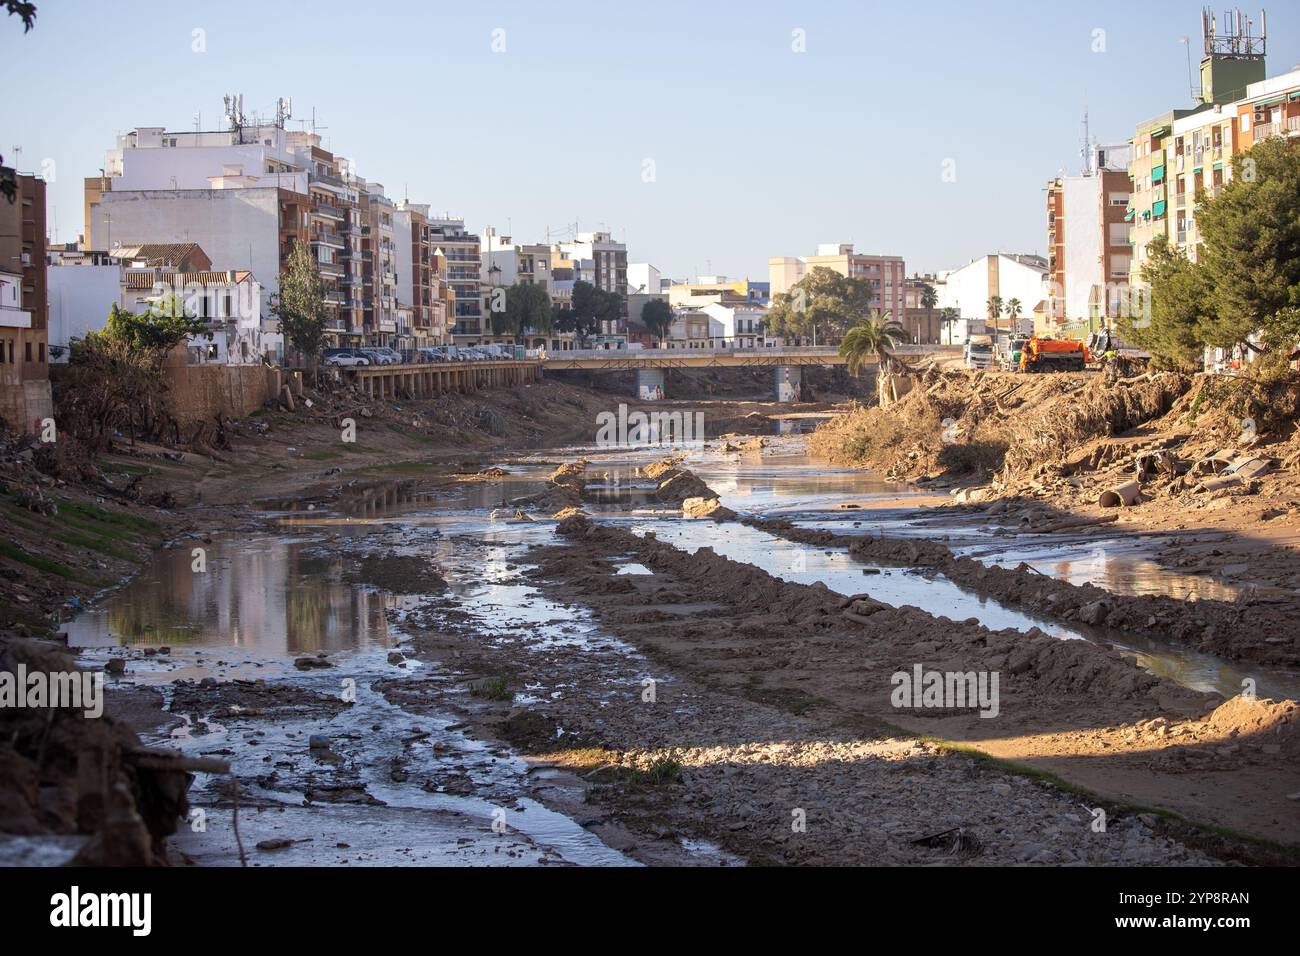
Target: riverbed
372, 756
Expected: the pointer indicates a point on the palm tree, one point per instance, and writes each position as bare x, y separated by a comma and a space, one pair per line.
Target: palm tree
949, 317
995, 310
1014, 309
929, 299
873, 335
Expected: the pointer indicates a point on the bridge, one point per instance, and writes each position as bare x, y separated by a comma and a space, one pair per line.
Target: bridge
426, 380
787, 363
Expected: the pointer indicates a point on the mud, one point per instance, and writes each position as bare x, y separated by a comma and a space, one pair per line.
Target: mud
1069, 707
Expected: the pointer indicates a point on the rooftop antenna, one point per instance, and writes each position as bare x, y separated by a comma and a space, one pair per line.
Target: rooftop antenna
1191, 83
314, 127
283, 110
234, 110
1239, 40
1087, 143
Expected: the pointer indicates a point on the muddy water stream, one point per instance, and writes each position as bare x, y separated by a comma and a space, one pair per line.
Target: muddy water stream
268, 598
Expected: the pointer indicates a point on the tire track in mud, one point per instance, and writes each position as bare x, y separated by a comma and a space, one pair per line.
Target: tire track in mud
1265, 634
1072, 708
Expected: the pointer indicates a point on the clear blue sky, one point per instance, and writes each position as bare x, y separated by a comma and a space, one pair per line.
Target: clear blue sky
757, 150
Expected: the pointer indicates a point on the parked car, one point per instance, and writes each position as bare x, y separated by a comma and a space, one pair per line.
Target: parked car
380, 356
345, 358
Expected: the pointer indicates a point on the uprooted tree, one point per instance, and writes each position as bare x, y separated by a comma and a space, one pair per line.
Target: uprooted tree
114, 380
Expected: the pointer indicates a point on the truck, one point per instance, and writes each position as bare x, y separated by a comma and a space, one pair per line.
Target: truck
1106, 342
1054, 355
979, 352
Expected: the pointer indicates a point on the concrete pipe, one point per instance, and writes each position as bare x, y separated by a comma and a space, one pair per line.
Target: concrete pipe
1121, 496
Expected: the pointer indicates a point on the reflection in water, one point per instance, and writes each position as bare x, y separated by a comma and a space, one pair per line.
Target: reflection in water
262, 595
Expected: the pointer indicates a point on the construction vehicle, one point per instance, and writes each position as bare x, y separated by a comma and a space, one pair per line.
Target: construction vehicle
1017, 349
979, 352
1054, 355
1106, 345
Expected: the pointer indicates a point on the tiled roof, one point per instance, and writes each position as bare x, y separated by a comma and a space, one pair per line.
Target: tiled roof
158, 253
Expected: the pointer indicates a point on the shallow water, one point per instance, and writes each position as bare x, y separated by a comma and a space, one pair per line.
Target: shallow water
267, 598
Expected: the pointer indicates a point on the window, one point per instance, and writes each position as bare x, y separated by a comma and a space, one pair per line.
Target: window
40, 352
27, 352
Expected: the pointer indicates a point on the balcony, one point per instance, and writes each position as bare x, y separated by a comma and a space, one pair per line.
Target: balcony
1293, 125
1264, 130
12, 318
328, 212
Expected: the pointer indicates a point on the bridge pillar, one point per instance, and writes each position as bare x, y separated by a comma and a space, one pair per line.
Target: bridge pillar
788, 379
650, 384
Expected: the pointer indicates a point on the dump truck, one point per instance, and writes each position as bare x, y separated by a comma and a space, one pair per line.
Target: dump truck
1054, 355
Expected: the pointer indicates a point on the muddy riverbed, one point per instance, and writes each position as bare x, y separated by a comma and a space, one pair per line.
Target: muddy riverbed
393, 683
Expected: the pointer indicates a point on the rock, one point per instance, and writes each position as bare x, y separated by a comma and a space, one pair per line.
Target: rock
396, 657
318, 742
1094, 613
706, 508
115, 665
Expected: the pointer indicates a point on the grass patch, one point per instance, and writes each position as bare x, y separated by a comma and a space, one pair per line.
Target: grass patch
663, 771
492, 688
130, 468
104, 516
46, 565
91, 540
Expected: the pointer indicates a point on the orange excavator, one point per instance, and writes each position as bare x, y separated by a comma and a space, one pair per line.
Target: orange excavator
1054, 355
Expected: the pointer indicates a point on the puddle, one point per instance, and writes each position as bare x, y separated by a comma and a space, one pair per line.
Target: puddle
263, 596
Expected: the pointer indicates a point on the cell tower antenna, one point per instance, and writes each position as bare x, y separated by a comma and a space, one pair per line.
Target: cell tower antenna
1238, 40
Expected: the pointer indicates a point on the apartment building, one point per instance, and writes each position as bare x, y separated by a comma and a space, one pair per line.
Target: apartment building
607, 270
1089, 255
887, 274
1181, 154
24, 307
248, 193
428, 296
460, 259
506, 263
